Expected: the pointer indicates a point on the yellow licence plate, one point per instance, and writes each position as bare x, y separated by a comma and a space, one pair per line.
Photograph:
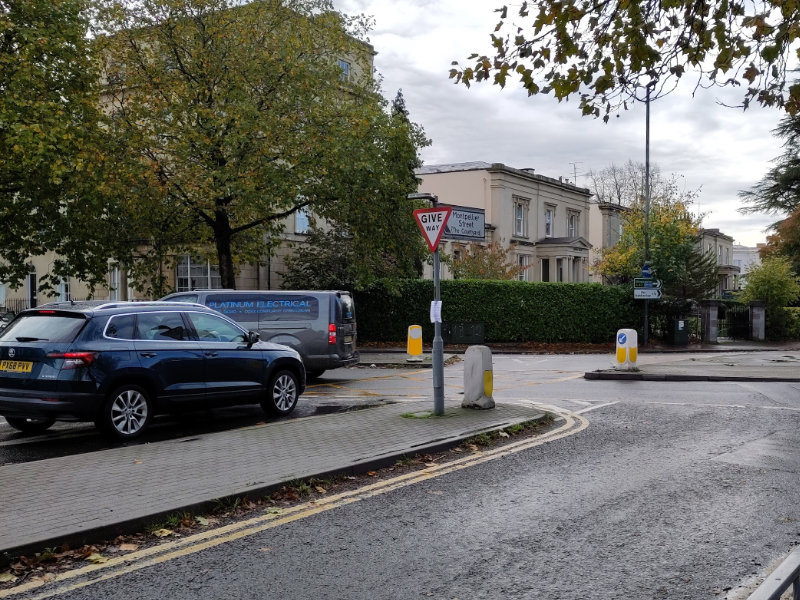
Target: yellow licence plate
16, 366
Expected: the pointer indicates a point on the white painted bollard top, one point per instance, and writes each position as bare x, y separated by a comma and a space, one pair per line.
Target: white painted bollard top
627, 349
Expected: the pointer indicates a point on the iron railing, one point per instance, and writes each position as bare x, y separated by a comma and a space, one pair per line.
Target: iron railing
15, 305
786, 576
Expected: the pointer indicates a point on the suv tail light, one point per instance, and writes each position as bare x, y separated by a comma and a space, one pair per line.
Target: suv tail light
332, 334
74, 360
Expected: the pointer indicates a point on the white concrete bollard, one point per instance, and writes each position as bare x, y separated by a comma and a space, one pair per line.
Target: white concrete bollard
627, 349
478, 378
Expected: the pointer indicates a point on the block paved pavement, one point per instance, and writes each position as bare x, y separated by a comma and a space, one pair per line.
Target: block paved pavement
86, 497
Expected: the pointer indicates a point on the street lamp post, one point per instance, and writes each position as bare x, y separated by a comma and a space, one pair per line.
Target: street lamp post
647, 203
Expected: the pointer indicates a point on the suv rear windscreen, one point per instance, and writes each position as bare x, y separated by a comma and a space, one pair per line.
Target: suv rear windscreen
248, 308
50, 327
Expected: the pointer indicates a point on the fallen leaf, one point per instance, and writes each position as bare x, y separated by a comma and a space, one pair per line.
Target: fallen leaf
85, 551
163, 532
128, 547
265, 549
7, 577
321, 490
502, 434
202, 520
96, 558
472, 447
371, 473
137, 461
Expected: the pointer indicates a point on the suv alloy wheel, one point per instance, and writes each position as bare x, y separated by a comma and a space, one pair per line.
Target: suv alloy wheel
127, 412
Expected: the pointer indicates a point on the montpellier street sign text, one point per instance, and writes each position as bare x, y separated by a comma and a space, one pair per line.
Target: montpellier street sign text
431, 223
465, 223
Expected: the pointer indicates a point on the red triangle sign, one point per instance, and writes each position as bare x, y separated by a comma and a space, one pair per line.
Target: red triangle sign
431, 223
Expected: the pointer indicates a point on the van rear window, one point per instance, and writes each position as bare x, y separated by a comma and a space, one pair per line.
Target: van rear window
348, 308
265, 307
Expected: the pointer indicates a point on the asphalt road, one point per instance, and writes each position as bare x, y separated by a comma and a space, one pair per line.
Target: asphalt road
673, 490
336, 390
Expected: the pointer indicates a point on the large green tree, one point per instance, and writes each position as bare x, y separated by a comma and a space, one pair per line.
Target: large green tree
606, 53
49, 142
492, 261
673, 231
371, 234
775, 283
778, 194
239, 115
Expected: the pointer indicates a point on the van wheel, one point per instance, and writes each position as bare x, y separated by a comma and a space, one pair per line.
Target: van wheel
30, 424
315, 374
127, 412
282, 394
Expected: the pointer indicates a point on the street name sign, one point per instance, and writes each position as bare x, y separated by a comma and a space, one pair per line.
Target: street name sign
431, 223
647, 294
465, 223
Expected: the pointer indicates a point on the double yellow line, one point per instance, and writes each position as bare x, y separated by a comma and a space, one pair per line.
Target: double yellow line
148, 557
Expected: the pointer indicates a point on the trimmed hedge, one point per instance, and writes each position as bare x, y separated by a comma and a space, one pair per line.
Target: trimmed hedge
784, 324
511, 311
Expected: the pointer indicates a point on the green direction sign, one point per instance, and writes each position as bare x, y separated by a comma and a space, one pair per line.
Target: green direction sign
645, 283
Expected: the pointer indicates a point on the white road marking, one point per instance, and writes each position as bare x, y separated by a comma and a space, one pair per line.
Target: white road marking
585, 410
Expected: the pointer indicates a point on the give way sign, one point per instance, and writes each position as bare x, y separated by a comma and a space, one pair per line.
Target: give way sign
431, 223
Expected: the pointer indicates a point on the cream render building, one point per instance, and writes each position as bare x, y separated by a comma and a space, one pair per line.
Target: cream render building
542, 221
605, 230
746, 257
720, 246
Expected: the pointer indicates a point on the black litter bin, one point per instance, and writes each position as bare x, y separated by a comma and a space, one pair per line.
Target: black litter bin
680, 332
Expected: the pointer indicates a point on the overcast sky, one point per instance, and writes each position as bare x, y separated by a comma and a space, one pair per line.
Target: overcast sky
720, 150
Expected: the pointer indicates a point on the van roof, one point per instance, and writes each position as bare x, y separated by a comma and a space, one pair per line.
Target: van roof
269, 291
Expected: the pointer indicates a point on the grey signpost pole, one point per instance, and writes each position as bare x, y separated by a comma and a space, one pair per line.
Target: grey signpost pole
438, 343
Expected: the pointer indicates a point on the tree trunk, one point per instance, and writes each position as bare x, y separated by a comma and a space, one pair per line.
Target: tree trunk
222, 238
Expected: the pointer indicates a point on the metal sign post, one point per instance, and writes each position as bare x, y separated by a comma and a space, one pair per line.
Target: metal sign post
432, 222
438, 344
646, 268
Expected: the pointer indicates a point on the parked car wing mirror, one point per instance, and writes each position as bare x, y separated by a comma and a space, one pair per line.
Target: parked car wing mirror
252, 337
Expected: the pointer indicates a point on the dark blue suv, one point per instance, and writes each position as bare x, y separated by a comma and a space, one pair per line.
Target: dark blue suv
120, 363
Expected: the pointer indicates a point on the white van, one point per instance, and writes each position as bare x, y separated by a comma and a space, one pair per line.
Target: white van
320, 325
